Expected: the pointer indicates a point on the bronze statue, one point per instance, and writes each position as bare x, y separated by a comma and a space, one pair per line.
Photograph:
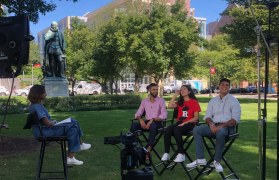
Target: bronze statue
54, 63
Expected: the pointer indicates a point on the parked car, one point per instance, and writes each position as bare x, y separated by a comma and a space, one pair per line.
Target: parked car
251, 89
3, 91
129, 89
234, 90
205, 91
195, 91
23, 91
167, 90
87, 88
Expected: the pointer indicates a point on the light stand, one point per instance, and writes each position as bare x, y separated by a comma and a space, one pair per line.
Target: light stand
277, 108
210, 89
262, 122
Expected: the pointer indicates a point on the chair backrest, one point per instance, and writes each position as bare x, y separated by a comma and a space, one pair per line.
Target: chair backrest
32, 119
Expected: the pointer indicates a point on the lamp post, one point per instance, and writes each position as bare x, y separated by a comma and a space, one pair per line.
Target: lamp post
210, 90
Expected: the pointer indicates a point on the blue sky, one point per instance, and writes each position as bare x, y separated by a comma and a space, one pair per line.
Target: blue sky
209, 9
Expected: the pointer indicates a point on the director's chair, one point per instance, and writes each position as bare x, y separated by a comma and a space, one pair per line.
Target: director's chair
32, 119
209, 144
143, 140
187, 141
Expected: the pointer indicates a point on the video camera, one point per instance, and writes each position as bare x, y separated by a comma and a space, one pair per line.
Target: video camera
132, 156
14, 44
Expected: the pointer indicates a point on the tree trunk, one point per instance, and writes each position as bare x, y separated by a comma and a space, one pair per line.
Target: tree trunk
161, 88
136, 87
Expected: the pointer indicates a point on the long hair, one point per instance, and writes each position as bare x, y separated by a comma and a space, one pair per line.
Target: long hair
191, 95
36, 93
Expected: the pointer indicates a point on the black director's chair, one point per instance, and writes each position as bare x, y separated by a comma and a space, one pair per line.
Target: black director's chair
143, 139
187, 141
32, 119
209, 144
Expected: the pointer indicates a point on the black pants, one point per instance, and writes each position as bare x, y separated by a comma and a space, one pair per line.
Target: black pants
177, 132
154, 126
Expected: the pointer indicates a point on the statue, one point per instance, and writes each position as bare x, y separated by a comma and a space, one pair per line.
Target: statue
55, 59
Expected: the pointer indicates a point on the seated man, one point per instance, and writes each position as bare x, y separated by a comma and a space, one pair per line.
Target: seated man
222, 115
154, 109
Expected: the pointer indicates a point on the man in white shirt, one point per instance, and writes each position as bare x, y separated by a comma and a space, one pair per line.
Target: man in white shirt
222, 115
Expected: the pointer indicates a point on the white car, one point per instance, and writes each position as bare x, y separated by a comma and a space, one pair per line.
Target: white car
23, 92
4, 91
87, 88
167, 89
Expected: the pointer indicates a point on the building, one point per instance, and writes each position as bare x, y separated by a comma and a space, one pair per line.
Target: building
106, 12
213, 28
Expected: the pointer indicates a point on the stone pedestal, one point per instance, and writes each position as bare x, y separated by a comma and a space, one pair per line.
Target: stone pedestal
56, 87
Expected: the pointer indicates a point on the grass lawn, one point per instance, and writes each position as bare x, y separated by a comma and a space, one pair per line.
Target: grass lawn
102, 162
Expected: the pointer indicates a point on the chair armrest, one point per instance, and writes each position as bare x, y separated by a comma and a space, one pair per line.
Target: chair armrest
233, 136
134, 120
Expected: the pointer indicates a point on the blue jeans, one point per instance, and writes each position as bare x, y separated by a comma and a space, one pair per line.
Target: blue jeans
220, 136
72, 130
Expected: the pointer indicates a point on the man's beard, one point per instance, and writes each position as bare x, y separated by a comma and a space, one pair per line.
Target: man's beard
154, 95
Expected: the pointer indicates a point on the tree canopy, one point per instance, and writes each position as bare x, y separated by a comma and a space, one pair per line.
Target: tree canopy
79, 40
153, 43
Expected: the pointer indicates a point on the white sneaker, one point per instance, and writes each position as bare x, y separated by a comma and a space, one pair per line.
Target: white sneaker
165, 157
85, 146
218, 166
73, 161
179, 158
196, 163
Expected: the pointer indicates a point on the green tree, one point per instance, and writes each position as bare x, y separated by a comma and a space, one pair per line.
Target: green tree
159, 41
34, 53
225, 58
150, 42
79, 40
170, 36
109, 52
32, 7
34, 58
242, 34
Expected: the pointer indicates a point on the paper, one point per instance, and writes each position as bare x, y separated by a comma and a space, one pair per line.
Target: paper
63, 121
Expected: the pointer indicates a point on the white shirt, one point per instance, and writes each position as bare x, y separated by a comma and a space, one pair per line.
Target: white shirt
223, 110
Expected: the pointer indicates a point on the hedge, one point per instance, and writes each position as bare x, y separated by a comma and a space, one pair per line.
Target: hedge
76, 103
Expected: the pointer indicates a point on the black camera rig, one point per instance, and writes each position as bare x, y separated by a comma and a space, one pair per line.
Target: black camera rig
14, 44
132, 156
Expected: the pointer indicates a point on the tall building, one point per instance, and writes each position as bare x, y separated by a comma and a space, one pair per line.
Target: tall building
106, 12
213, 28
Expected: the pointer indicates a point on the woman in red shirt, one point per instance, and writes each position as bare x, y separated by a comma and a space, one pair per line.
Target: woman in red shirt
188, 110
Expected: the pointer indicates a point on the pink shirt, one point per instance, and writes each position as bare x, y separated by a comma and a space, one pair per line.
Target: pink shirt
153, 110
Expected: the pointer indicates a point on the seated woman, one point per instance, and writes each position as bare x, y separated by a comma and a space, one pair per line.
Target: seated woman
188, 110
36, 96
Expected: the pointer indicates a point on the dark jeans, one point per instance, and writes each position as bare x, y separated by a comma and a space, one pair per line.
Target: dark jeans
154, 126
177, 132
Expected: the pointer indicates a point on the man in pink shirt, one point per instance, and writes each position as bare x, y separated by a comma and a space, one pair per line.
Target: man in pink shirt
154, 110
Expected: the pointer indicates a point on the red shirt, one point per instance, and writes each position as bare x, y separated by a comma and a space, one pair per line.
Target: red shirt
186, 112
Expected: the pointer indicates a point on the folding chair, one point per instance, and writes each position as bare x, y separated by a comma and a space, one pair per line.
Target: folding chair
32, 119
143, 139
187, 141
209, 144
